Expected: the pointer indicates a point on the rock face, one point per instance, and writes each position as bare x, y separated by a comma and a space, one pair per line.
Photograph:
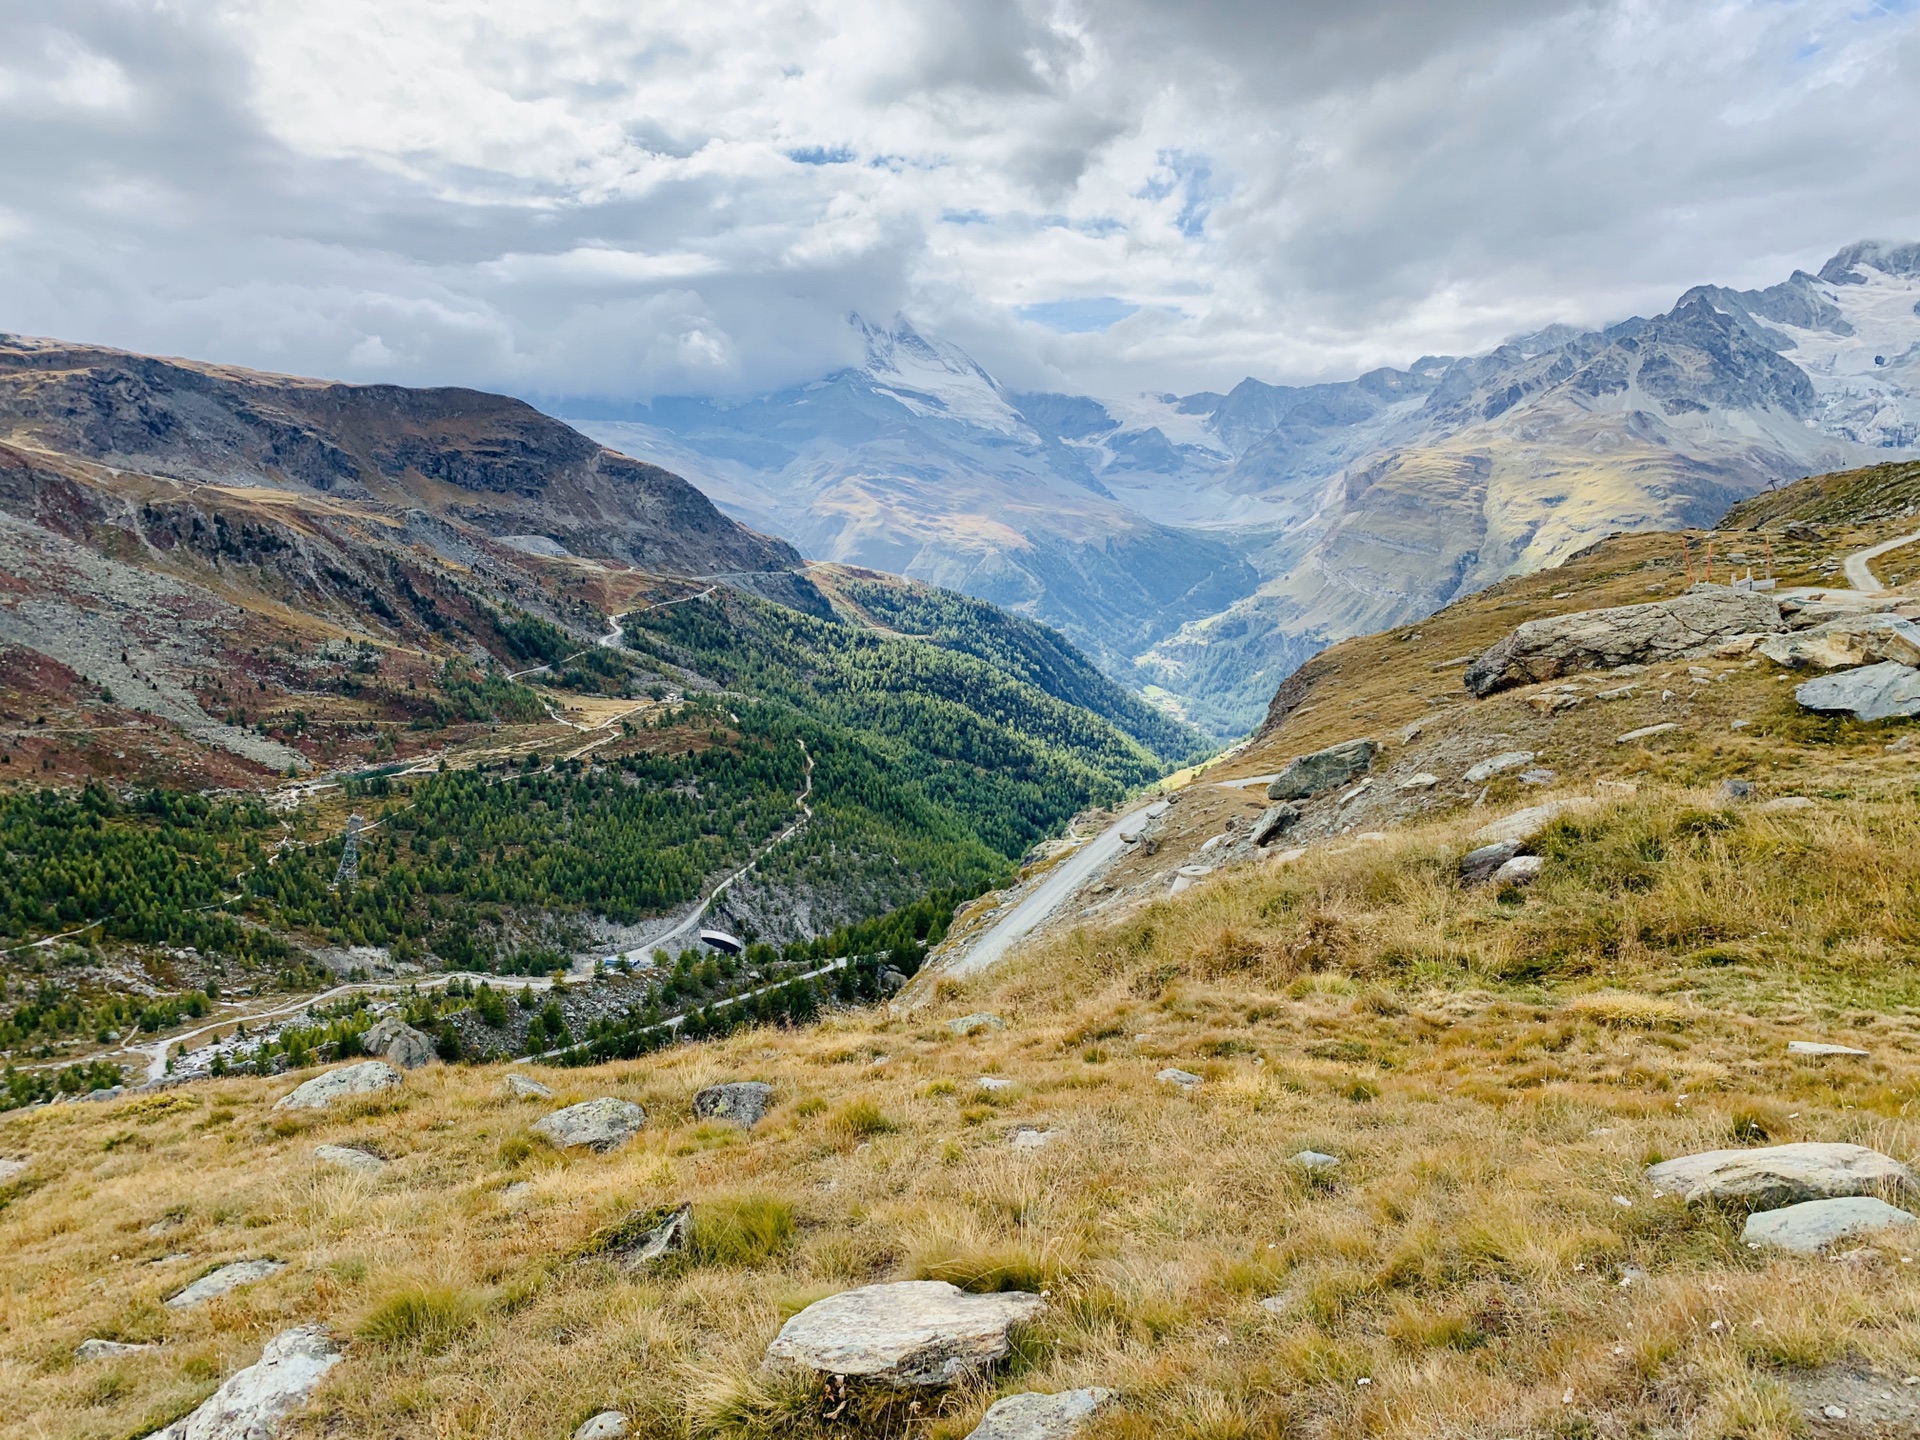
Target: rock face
596, 1124
366, 1078
1629, 634
347, 1157
220, 1282
1850, 640
1310, 774
253, 1402
519, 1087
1779, 1174
909, 1334
399, 1042
1034, 1416
1274, 822
1813, 1225
742, 1101
1873, 692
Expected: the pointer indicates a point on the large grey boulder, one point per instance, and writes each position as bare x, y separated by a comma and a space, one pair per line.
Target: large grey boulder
1274, 822
1034, 1416
1310, 774
1813, 1225
399, 1042
253, 1402
1626, 635
596, 1124
226, 1279
1778, 1175
1851, 640
742, 1101
908, 1334
1873, 692
366, 1078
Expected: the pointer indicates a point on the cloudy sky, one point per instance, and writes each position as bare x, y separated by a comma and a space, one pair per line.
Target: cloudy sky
618, 199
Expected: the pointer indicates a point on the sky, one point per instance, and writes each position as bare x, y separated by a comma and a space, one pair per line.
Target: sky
610, 199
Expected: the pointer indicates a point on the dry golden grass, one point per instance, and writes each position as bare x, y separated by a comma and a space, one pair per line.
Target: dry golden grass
1493, 1072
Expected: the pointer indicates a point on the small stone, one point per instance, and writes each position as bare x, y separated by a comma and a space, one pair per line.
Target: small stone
909, 1334
607, 1425
1186, 1079
251, 1403
222, 1281
11, 1169
1034, 1416
519, 1087
1647, 732
1027, 1138
973, 1024
1834, 1412
1422, 781
1498, 765
1315, 1160
994, 1082
744, 1102
1538, 776
1481, 865
107, 1349
1787, 802
347, 1157
367, 1078
1811, 1226
1276, 1305
1520, 870
1817, 1047
598, 1125
1274, 822
1736, 791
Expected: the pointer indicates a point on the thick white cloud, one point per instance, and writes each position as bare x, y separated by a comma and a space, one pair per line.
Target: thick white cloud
592, 197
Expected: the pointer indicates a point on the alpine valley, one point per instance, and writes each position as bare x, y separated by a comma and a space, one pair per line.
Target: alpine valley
1200, 547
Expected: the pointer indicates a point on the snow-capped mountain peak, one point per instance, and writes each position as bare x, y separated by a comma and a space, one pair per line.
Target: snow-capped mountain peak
936, 379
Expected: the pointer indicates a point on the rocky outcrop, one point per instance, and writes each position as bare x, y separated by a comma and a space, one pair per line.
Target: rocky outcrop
909, 1334
1812, 1225
223, 1281
744, 1102
1034, 1416
399, 1043
1274, 822
1886, 691
252, 1402
1627, 635
1779, 1174
974, 1024
598, 1125
1308, 775
1851, 640
367, 1078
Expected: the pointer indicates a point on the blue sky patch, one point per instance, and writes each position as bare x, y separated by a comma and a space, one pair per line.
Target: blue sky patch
1078, 317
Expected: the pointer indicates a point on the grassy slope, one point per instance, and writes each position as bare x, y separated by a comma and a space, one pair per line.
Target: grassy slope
1847, 497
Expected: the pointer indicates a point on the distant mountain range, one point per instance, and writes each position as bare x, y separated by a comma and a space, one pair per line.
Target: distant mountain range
1201, 546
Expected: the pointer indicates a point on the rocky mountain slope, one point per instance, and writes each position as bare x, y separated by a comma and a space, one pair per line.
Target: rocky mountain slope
1327, 510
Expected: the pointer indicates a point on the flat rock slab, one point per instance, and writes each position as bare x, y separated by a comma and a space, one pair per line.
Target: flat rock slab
1275, 821
227, 1278
1481, 865
107, 1349
1315, 1160
1847, 640
347, 1157
1778, 1175
909, 1334
1520, 870
1322, 770
1647, 732
1525, 824
744, 1102
1498, 765
1811, 1226
1030, 1139
607, 1425
367, 1078
1885, 691
974, 1024
253, 1402
1560, 645
1185, 1079
519, 1087
1819, 1047
596, 1124
1034, 1416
